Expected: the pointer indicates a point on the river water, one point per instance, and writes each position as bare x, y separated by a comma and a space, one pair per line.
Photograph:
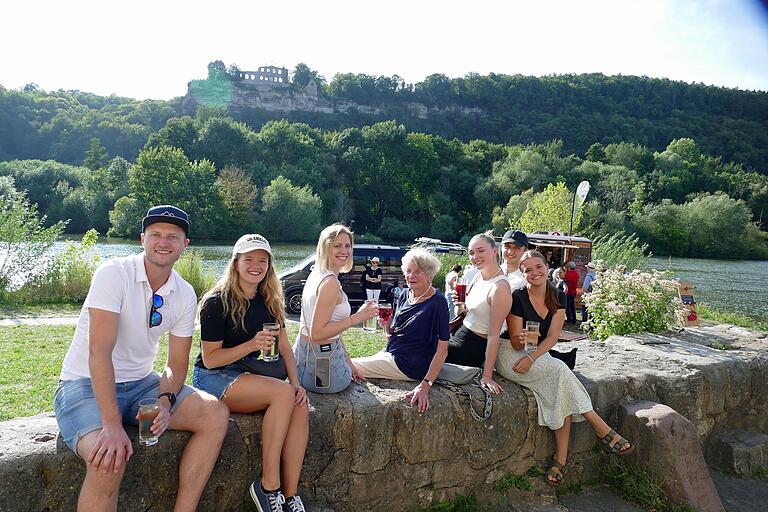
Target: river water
730, 285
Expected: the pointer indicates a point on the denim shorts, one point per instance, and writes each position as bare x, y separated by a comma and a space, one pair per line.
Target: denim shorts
77, 412
216, 381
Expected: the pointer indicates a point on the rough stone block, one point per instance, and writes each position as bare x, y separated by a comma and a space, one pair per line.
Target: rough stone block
738, 451
670, 443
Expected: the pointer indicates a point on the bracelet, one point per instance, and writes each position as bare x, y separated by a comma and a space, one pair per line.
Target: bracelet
531, 358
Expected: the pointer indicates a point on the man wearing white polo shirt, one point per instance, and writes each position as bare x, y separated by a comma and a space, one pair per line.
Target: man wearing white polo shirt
131, 303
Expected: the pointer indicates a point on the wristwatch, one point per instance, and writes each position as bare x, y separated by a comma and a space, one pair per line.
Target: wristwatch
171, 397
427, 381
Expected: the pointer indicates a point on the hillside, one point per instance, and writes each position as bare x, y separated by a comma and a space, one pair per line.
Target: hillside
578, 109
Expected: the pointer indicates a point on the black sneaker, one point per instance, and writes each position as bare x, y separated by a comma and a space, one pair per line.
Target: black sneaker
266, 501
293, 504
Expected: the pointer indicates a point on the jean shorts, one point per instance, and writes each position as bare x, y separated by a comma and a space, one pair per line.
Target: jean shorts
77, 412
215, 381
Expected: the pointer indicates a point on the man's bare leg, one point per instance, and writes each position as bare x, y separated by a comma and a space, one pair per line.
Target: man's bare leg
207, 419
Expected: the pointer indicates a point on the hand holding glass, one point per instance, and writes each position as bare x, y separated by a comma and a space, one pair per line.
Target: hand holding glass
531, 335
461, 289
148, 411
371, 309
272, 354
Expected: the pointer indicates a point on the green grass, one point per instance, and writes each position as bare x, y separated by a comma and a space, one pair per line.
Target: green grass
709, 313
32, 355
639, 485
762, 474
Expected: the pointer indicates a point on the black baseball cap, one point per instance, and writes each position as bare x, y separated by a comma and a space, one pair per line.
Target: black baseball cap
166, 213
515, 237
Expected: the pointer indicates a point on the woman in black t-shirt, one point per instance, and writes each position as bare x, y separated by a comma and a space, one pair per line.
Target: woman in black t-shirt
232, 315
560, 396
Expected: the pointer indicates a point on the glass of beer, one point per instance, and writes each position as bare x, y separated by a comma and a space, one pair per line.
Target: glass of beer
272, 354
148, 411
385, 311
531, 335
461, 289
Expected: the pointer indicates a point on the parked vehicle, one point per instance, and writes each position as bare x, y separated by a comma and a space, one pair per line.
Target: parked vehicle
390, 257
390, 263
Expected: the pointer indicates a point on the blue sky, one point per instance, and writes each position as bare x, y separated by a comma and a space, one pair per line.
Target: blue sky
150, 49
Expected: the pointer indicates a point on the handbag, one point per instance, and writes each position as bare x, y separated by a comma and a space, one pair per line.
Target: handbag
256, 366
569, 358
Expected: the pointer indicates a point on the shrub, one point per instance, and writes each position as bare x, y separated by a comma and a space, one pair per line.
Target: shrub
67, 277
190, 267
638, 301
620, 249
23, 238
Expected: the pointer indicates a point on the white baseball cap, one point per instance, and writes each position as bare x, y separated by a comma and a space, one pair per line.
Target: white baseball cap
248, 243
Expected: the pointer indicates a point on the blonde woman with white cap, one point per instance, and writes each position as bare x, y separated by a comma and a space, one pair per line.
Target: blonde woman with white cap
232, 319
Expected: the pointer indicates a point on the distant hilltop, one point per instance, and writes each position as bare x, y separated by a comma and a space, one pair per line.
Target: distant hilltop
269, 89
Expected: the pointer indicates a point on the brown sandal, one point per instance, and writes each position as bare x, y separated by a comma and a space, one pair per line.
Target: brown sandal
558, 477
617, 448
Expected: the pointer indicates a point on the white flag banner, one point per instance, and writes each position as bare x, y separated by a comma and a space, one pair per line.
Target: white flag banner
578, 199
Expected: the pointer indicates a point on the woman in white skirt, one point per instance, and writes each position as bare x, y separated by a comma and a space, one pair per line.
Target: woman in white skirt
560, 396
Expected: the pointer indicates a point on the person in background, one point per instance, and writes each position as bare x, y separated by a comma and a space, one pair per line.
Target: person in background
417, 333
557, 278
232, 314
487, 304
132, 302
372, 280
326, 314
586, 288
513, 245
550, 255
450, 285
396, 292
560, 396
571, 279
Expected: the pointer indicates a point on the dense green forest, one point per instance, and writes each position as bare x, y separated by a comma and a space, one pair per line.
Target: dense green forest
101, 161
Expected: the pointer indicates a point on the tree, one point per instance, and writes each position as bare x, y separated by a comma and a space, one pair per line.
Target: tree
290, 213
96, 157
238, 196
549, 210
303, 74
596, 153
164, 175
23, 238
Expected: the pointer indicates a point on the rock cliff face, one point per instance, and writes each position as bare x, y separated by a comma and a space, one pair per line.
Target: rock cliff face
369, 450
239, 97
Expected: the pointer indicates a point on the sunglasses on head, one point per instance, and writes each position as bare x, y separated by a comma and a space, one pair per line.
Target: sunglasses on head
155, 317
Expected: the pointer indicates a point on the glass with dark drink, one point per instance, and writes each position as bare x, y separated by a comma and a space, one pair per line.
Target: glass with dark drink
461, 290
385, 311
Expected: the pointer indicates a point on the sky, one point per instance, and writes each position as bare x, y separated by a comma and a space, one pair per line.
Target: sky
151, 49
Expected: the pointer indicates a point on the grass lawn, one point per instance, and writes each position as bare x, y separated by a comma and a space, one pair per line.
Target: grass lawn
32, 355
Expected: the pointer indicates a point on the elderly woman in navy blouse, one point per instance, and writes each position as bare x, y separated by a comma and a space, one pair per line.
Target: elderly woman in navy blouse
417, 335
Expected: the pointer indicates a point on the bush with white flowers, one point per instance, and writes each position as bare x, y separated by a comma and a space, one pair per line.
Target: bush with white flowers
631, 302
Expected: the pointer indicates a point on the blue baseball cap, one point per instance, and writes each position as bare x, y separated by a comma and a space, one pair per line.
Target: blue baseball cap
166, 213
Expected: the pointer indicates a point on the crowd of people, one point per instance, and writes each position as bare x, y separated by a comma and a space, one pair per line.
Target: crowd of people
134, 300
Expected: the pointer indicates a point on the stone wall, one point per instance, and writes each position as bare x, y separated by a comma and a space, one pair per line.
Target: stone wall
370, 451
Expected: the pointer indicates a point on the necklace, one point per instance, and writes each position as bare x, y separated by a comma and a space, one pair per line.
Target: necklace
417, 299
494, 275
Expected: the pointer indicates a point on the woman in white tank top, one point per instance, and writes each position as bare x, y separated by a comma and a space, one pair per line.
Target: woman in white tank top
488, 302
323, 363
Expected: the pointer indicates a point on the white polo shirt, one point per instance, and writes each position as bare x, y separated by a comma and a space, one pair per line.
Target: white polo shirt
516, 280
121, 286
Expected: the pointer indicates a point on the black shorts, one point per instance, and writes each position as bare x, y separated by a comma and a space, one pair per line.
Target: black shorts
466, 348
